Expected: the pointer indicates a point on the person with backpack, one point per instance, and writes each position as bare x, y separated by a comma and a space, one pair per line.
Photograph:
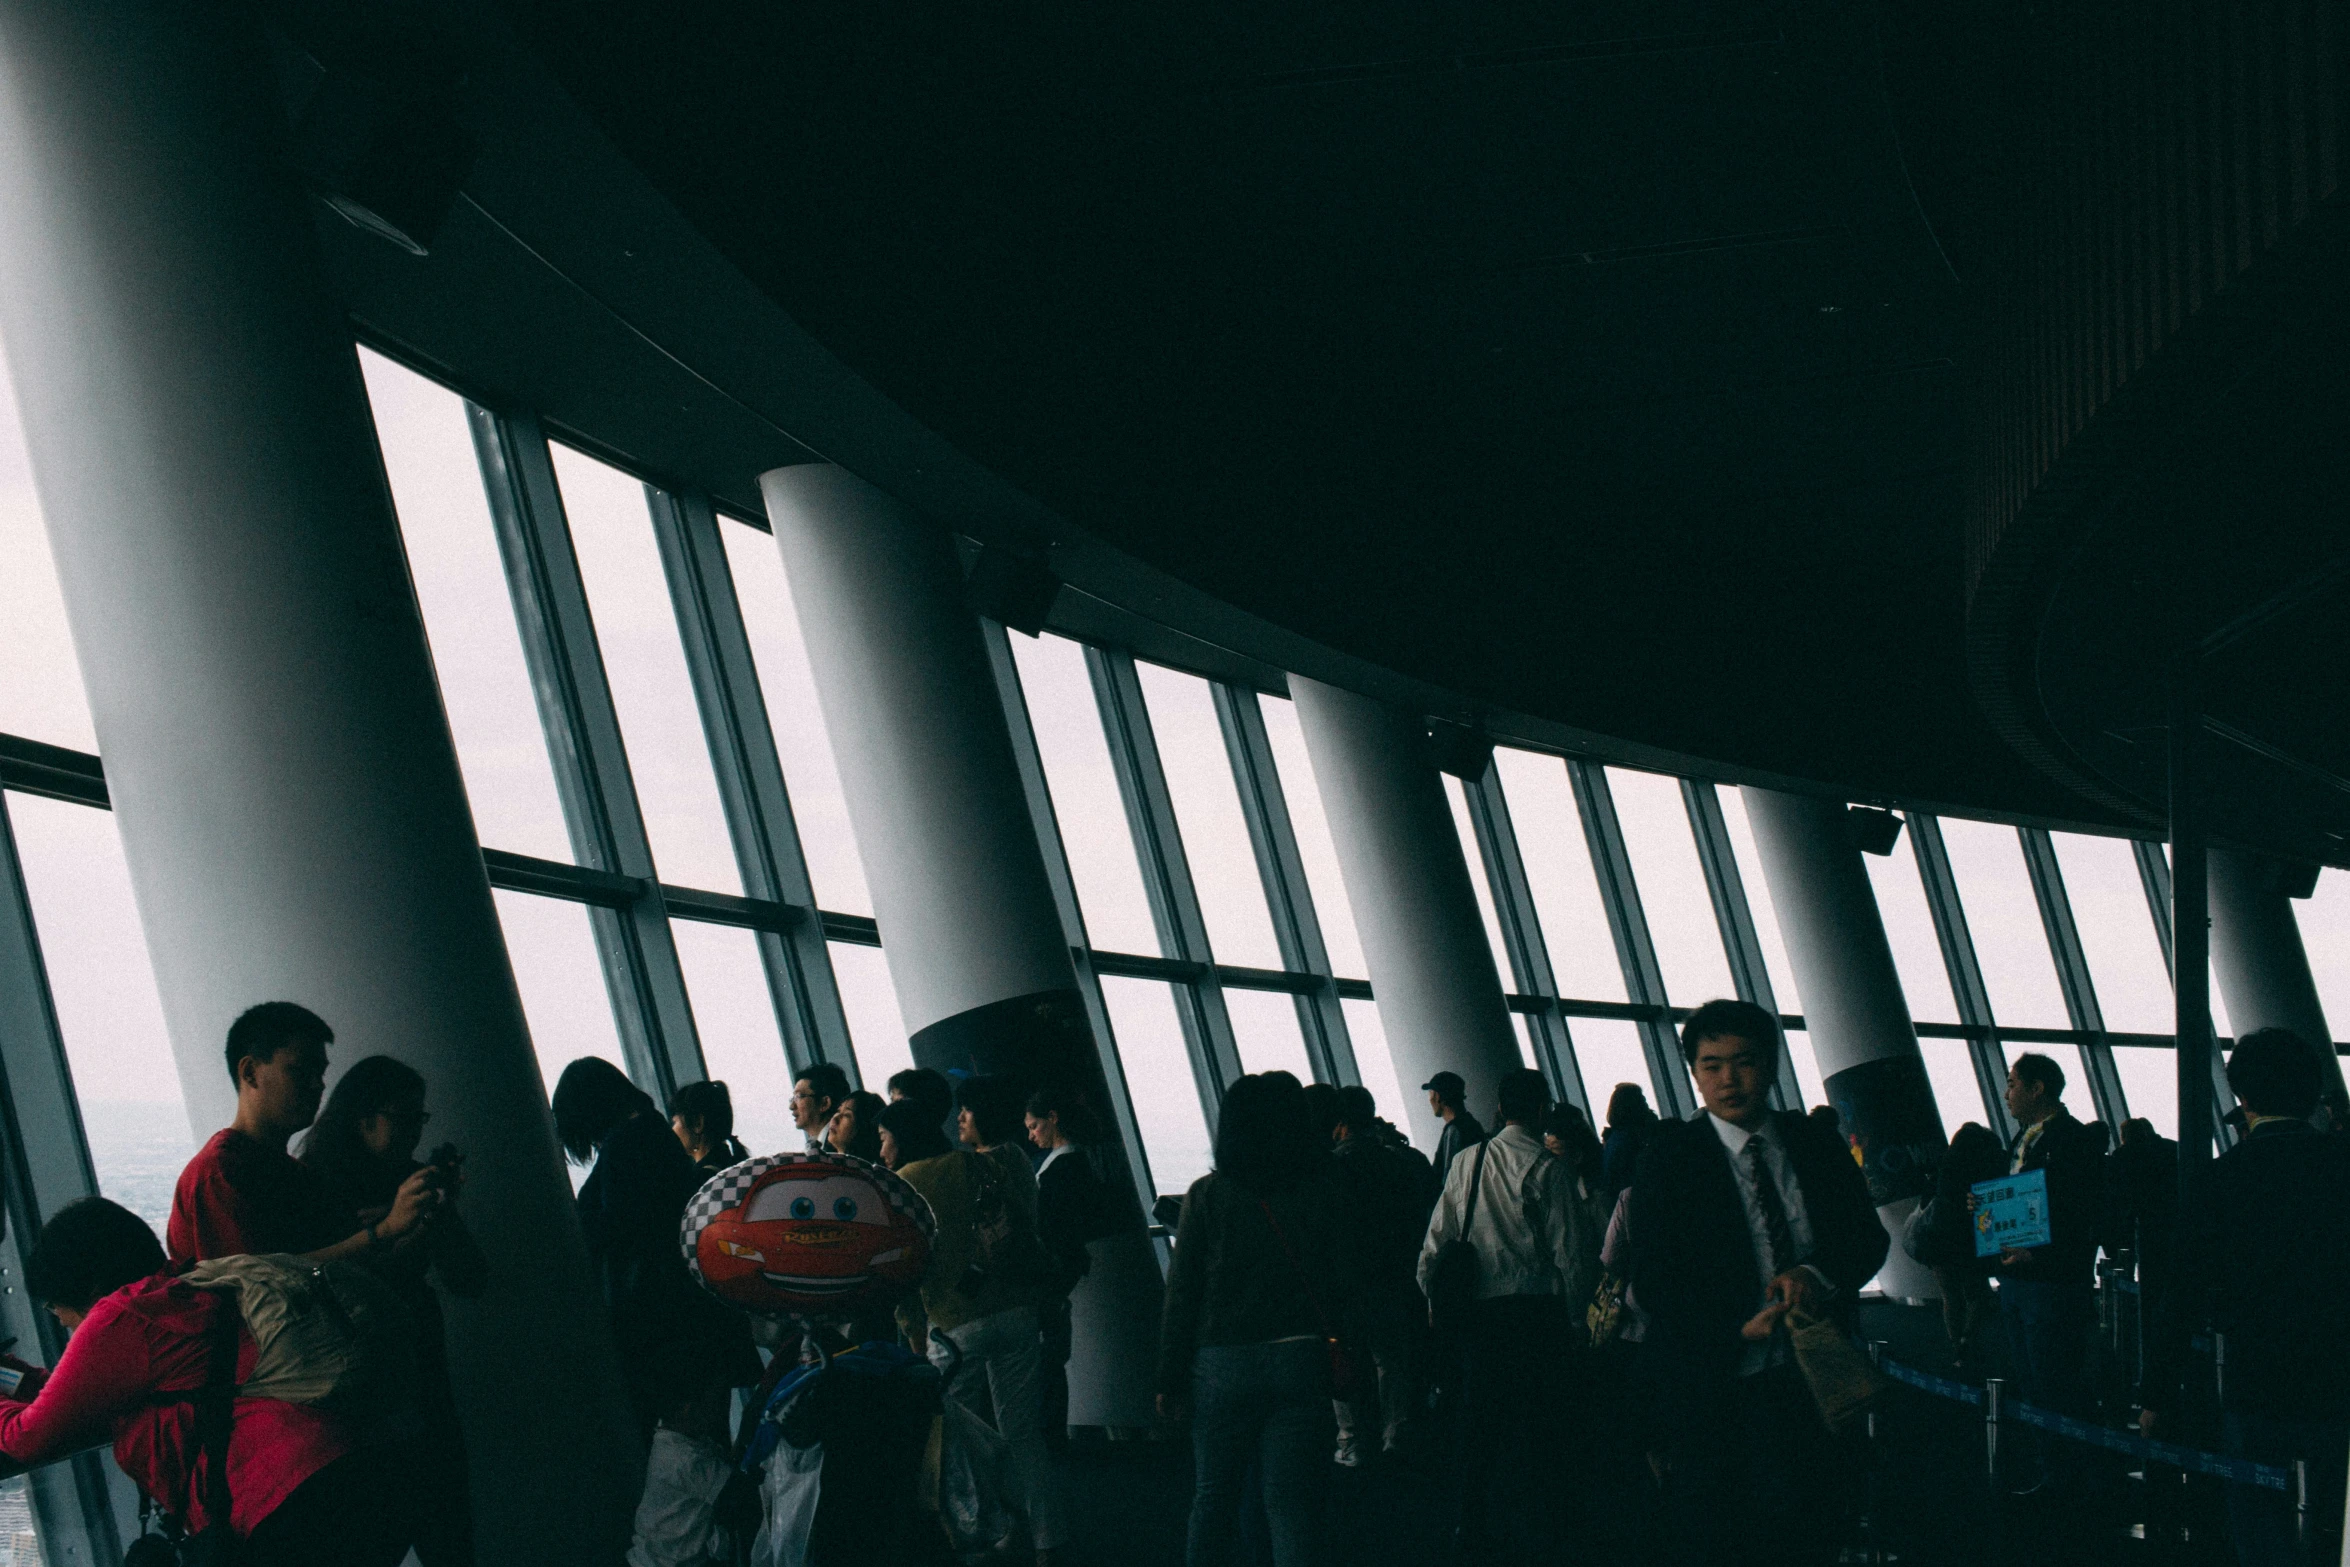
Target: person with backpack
363, 1146
976, 1315
156, 1363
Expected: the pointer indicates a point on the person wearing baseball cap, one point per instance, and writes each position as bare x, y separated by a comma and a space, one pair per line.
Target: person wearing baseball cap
1448, 1096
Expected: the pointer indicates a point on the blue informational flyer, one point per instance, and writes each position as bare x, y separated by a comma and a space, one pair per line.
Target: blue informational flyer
2011, 1213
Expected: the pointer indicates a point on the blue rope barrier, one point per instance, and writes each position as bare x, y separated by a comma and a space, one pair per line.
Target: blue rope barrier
2242, 1471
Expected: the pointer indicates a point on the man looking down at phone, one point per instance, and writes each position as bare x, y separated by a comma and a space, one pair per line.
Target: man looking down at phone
243, 1194
1746, 1216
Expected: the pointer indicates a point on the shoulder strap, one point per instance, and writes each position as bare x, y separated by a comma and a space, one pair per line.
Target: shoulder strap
1476, 1180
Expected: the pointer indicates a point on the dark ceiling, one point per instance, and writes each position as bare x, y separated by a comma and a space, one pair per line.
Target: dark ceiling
1596, 364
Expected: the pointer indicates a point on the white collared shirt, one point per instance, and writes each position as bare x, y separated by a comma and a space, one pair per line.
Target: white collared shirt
1534, 1235
1762, 1356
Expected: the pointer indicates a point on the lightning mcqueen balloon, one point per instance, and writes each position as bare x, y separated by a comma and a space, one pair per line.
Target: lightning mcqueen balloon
807, 1235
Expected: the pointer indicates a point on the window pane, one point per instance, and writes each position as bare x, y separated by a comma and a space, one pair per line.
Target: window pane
734, 1016
1672, 886
2325, 935
1086, 802
877, 1032
1557, 857
1951, 1071
1607, 1052
552, 945
1376, 1067
1807, 1068
819, 807
1456, 793
124, 1074
2117, 932
1207, 812
2151, 1085
461, 589
1314, 846
1987, 861
20, 1541
1528, 1055
1909, 928
1265, 1028
1758, 901
1158, 1080
40, 679
644, 662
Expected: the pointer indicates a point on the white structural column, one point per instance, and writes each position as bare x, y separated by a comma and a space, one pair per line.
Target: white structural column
281, 769
1440, 997
976, 951
2256, 950
1853, 1008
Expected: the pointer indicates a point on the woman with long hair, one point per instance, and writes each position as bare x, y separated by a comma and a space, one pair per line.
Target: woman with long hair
1628, 1122
702, 1116
1262, 1277
363, 1146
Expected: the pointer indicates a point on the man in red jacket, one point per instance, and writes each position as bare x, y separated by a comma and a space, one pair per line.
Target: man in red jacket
243, 1193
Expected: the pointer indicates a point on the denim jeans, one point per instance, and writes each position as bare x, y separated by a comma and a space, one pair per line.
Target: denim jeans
1004, 1353
2261, 1521
1268, 1404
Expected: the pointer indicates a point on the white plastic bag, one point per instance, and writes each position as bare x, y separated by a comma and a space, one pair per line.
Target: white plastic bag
789, 1489
970, 1480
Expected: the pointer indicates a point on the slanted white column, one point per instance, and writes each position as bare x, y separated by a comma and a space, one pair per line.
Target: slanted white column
2256, 949
281, 770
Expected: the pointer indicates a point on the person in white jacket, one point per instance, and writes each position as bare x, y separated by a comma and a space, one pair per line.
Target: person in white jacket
1537, 1251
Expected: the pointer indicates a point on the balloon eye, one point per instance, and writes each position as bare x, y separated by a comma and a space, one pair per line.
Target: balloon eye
803, 1208
844, 1207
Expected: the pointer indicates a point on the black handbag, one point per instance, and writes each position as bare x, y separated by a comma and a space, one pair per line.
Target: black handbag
1452, 1283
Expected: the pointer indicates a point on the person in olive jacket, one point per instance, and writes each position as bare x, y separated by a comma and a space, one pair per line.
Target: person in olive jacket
1263, 1273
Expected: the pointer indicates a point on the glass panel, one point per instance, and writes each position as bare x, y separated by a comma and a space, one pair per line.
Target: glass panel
2325, 935
2117, 932
1565, 890
1807, 1068
2150, 1083
1207, 812
1951, 1070
1758, 899
1528, 1054
734, 1016
1909, 928
1265, 1029
460, 579
1607, 1051
819, 806
40, 679
1159, 1080
1086, 802
1987, 861
20, 1541
124, 1074
1377, 1069
877, 1031
552, 945
1457, 794
1314, 846
644, 662
1673, 892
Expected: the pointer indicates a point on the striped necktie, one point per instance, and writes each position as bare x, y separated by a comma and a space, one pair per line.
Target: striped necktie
1778, 1236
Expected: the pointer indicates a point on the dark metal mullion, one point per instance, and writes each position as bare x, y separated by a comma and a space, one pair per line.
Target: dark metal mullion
1644, 980
1965, 973
2154, 877
1281, 870
1046, 820
600, 807
2072, 973
750, 776
1750, 972
46, 1164
1521, 935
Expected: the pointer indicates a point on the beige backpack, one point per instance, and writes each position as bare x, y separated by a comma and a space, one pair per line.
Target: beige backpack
331, 1334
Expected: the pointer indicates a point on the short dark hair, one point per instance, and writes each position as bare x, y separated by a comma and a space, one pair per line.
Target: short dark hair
1523, 1094
262, 1031
1356, 1107
1727, 1019
2034, 1067
825, 1080
927, 1087
591, 1098
2276, 1072
914, 1129
994, 1103
1628, 1106
1322, 1113
1060, 1097
89, 1249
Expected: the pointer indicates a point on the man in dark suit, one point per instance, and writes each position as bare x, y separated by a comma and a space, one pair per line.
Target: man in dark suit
1741, 1216
2264, 1257
2046, 1293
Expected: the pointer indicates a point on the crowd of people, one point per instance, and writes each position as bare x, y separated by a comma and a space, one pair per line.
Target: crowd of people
1605, 1337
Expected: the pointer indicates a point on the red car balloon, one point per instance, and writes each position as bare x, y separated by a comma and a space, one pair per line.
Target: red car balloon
807, 1235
